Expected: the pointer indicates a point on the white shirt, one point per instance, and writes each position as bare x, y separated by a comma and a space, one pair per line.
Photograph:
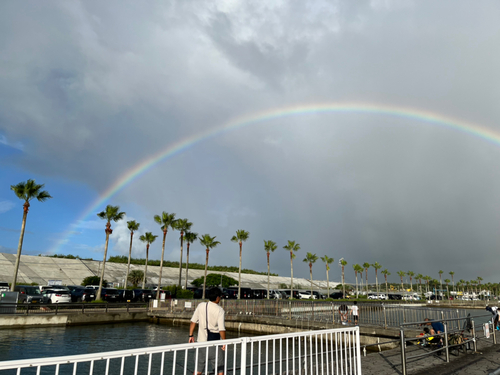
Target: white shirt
354, 309
215, 319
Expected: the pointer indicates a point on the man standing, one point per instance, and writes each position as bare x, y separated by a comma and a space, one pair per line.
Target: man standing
210, 319
355, 313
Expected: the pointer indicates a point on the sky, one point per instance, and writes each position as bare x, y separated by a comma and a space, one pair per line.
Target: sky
363, 130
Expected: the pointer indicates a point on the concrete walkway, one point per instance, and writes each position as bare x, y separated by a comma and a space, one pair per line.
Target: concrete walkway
485, 361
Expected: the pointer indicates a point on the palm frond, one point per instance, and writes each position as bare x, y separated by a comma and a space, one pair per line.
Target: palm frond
133, 225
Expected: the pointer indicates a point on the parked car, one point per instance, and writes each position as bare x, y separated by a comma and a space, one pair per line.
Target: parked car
81, 294
230, 294
52, 287
197, 292
126, 295
28, 294
337, 295
306, 295
56, 296
4, 286
319, 295
275, 294
142, 295
110, 294
259, 293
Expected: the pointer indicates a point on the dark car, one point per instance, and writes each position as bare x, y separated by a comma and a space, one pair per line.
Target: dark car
259, 293
319, 295
395, 296
82, 294
230, 294
197, 292
110, 294
142, 295
28, 294
126, 295
337, 295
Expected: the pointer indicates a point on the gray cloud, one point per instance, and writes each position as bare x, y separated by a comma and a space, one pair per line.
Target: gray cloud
103, 86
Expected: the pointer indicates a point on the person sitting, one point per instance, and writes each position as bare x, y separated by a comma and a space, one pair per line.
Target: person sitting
438, 329
427, 336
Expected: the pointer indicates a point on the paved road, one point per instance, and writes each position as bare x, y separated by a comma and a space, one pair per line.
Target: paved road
486, 361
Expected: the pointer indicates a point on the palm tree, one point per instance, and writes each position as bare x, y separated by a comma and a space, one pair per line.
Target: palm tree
209, 243
182, 225
327, 261
479, 279
401, 274
453, 282
419, 277
376, 266
132, 226
311, 259
241, 236
447, 281
269, 246
166, 221
411, 274
440, 282
190, 237
355, 267
135, 277
366, 265
386, 273
427, 279
343, 263
291, 247
26, 191
147, 238
111, 213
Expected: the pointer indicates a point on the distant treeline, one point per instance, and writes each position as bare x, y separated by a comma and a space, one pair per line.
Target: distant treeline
166, 263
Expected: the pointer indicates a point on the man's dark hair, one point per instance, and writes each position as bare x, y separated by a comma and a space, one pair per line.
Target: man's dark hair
213, 294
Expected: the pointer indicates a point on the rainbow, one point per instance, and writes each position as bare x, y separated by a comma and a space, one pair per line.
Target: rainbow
253, 119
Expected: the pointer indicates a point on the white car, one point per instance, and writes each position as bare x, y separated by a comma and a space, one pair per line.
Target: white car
306, 295
56, 296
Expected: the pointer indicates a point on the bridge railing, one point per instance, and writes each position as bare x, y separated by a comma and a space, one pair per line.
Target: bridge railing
325, 352
69, 308
377, 314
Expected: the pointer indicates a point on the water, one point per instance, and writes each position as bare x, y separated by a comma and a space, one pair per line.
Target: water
41, 342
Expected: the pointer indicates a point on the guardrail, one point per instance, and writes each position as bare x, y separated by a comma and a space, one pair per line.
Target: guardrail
329, 352
68, 308
381, 314
459, 333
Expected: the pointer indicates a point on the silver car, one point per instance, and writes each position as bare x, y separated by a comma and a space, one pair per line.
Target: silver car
28, 294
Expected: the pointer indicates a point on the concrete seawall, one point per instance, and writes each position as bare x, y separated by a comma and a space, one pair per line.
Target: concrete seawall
21, 321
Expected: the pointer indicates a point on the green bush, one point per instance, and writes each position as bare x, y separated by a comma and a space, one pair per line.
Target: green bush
177, 292
93, 280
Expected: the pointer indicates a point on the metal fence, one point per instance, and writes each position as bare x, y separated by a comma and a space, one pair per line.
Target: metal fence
69, 308
377, 314
459, 334
325, 352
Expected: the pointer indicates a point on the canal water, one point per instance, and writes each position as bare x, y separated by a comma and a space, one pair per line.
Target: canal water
37, 342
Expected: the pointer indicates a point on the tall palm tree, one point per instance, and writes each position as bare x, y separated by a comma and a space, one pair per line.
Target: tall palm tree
462, 283
427, 279
190, 237
440, 278
132, 226
291, 247
376, 266
269, 246
111, 213
411, 274
327, 261
311, 259
453, 282
166, 221
447, 281
355, 267
241, 236
386, 273
401, 274
343, 263
26, 191
366, 265
148, 238
209, 243
182, 225
479, 279
419, 277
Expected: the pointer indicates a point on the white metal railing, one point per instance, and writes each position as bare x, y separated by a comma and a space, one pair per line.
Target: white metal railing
325, 352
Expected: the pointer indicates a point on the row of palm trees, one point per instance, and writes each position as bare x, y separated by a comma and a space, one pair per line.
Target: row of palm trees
29, 190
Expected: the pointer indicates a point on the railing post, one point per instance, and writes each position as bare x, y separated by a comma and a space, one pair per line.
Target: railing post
474, 335
290, 310
385, 317
494, 329
403, 351
83, 308
127, 307
243, 363
27, 309
333, 313
446, 341
57, 308
404, 314
106, 307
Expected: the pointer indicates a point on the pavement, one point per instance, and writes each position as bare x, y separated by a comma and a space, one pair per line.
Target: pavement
485, 361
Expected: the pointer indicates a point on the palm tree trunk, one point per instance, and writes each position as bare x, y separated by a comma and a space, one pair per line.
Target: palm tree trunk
187, 267
386, 288
366, 273
239, 275
343, 284
356, 274
268, 274
327, 281
108, 231
129, 256
20, 246
402, 288
205, 279
161, 265
291, 275
311, 273
146, 271
376, 280
180, 262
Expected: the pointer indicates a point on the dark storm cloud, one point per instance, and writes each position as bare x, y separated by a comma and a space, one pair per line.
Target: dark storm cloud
102, 86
